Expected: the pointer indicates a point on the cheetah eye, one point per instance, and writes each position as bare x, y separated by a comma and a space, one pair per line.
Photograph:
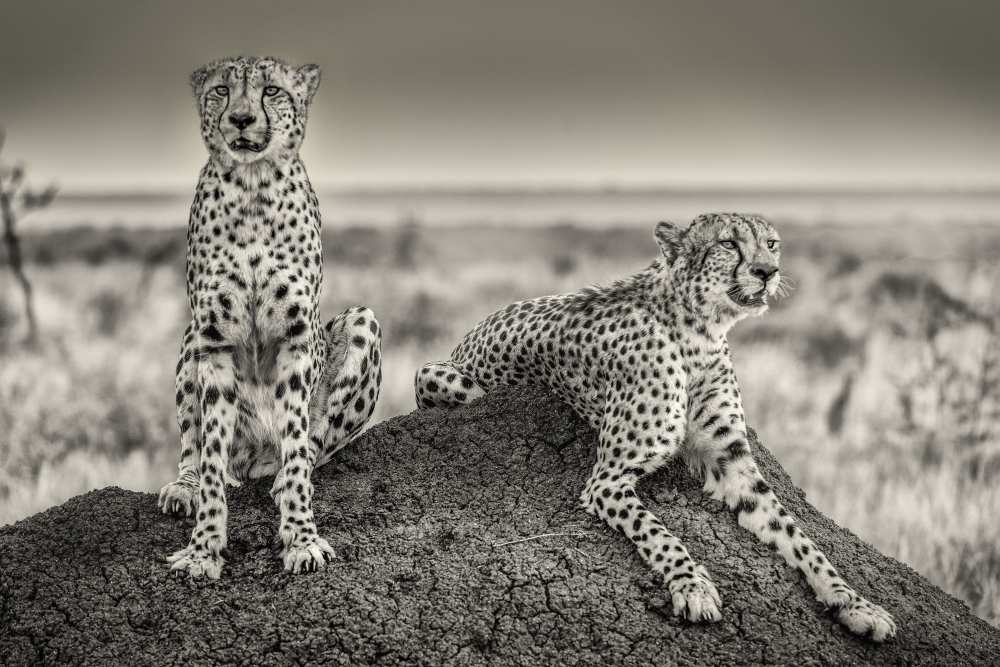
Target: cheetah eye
728, 245
772, 245
221, 90
271, 91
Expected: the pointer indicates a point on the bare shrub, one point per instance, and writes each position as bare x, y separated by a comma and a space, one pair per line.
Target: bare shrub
16, 200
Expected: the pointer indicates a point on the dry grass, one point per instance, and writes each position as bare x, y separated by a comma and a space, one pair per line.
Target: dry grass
872, 383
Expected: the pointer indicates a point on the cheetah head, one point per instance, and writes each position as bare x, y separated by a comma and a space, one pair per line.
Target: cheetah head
253, 109
725, 264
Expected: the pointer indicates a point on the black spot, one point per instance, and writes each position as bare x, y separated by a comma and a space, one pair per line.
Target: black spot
736, 449
747, 505
211, 396
212, 333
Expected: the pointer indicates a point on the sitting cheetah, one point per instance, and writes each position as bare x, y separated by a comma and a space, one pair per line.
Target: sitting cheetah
262, 387
646, 362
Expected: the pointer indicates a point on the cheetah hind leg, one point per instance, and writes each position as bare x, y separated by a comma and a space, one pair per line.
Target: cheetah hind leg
441, 384
350, 382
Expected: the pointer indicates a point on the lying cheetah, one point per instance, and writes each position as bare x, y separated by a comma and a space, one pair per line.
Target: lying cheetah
262, 387
646, 362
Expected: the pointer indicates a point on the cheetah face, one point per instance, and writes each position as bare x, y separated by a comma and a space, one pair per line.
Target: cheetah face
727, 262
253, 109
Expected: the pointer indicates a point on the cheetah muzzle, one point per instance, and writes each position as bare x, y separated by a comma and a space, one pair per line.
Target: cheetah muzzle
646, 362
263, 387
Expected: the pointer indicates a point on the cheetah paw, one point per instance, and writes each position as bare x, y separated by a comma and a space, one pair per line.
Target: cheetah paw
858, 614
867, 619
178, 498
308, 555
197, 564
696, 598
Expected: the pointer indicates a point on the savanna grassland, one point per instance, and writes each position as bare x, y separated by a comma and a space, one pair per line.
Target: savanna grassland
876, 383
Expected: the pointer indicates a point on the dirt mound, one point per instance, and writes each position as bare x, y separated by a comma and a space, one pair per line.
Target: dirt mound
460, 543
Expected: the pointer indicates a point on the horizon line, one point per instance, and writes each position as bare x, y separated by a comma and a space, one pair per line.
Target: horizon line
508, 188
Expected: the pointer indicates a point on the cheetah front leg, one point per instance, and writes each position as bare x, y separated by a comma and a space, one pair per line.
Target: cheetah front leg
304, 549
637, 438
349, 384
720, 448
181, 496
217, 389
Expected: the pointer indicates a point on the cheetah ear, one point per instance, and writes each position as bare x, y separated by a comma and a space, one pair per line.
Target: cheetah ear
668, 237
198, 78
308, 75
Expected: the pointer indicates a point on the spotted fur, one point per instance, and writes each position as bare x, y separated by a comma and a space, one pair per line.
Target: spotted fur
647, 363
262, 387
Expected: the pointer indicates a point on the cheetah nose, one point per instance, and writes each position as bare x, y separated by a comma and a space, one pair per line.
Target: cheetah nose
242, 120
763, 271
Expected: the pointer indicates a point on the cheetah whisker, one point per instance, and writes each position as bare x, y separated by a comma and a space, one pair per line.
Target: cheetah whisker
786, 286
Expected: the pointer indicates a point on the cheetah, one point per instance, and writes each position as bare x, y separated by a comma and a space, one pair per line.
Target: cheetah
646, 362
262, 387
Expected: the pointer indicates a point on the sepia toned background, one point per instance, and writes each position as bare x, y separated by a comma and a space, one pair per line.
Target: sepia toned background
469, 154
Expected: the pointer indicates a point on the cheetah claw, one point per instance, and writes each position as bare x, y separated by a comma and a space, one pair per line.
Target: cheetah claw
308, 555
696, 598
178, 498
197, 564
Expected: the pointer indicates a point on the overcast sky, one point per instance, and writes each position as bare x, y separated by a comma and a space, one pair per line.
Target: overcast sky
95, 94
